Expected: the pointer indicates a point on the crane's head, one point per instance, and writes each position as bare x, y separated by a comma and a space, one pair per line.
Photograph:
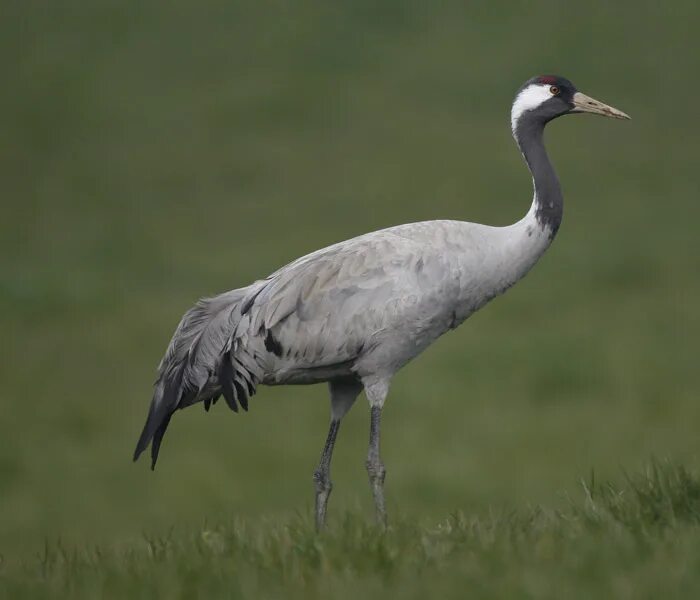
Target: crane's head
547, 97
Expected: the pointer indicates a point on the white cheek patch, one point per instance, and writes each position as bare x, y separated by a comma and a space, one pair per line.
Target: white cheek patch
531, 97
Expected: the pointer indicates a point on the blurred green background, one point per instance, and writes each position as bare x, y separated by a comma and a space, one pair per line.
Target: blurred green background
154, 153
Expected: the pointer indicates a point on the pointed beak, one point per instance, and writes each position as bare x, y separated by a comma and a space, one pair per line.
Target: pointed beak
583, 103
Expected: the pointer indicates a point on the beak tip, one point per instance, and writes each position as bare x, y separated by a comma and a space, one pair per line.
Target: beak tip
618, 114
615, 114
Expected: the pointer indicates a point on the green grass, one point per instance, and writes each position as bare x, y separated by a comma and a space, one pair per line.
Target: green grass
637, 539
149, 156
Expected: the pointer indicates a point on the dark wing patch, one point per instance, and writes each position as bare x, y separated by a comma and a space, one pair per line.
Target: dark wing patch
273, 345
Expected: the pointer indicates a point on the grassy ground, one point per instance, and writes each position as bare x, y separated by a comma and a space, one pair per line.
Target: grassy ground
150, 156
640, 539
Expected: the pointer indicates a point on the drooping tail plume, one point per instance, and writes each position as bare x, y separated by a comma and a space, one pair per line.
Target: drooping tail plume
198, 366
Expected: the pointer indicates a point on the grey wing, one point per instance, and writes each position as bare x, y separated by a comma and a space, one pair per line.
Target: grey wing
323, 311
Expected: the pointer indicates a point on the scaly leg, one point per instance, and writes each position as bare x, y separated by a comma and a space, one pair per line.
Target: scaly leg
375, 466
344, 392
322, 476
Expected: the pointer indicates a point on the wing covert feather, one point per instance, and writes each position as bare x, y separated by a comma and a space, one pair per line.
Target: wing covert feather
328, 306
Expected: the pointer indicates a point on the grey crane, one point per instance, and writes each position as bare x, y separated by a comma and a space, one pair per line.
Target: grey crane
354, 313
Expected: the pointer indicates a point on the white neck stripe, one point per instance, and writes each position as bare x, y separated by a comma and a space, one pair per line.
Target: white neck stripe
528, 99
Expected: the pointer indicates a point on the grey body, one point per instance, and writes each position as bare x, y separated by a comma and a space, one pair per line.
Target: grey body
367, 306
354, 313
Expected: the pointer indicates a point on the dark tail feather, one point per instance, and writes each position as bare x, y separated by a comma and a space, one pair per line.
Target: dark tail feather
241, 394
209, 401
226, 380
157, 439
145, 437
159, 414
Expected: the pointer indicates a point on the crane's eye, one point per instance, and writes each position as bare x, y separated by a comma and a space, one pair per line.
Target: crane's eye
554, 90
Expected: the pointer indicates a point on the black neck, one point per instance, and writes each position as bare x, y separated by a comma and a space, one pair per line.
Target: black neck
549, 202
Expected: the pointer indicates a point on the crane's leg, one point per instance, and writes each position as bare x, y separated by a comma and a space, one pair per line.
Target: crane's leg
376, 395
322, 476
344, 392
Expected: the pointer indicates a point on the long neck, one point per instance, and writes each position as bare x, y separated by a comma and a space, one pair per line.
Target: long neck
548, 202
